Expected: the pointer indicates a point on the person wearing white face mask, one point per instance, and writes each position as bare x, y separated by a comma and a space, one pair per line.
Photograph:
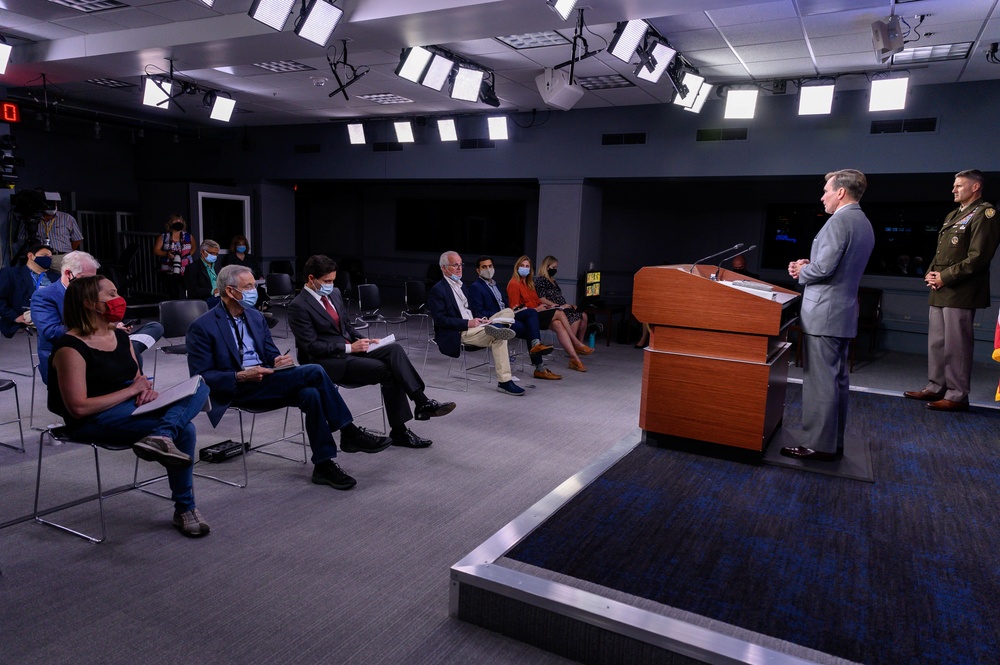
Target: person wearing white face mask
230, 346
324, 335
200, 278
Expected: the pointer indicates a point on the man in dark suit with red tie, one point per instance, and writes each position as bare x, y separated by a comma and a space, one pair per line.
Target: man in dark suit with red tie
324, 335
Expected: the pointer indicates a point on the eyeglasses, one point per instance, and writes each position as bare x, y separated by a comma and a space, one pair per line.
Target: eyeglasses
454, 265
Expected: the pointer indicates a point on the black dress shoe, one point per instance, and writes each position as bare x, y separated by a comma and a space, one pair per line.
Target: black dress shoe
801, 452
360, 440
433, 409
410, 440
330, 473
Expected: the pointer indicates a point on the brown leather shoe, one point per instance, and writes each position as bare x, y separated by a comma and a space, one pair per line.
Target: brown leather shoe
584, 350
947, 405
577, 365
925, 395
541, 349
546, 373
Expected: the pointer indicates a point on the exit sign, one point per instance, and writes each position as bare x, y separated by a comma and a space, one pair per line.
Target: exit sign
10, 112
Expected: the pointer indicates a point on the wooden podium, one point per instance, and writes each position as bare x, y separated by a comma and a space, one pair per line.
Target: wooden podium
716, 366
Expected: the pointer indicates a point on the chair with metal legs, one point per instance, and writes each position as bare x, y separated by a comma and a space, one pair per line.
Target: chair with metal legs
381, 407
469, 373
369, 302
5, 385
176, 316
29, 332
61, 435
415, 299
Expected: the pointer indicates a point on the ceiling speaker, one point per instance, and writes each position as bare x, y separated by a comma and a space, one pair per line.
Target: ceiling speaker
556, 91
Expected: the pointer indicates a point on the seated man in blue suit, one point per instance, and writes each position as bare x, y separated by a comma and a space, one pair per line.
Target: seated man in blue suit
454, 324
19, 283
230, 346
486, 300
47, 312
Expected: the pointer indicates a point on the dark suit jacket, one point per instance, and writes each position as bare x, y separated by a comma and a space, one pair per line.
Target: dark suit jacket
17, 284
316, 336
448, 322
482, 302
212, 352
196, 280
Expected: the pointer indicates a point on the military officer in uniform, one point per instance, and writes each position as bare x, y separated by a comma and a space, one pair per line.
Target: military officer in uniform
959, 278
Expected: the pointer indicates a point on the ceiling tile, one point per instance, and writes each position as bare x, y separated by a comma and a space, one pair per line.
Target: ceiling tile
753, 13
763, 33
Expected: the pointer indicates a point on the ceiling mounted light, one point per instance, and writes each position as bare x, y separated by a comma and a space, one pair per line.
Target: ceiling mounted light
498, 127
404, 131
816, 99
209, 2
222, 108
157, 92
626, 40
446, 129
272, 13
741, 104
487, 91
699, 101
888, 94
562, 7
356, 132
438, 72
412, 63
5, 50
655, 61
467, 84
692, 84
318, 21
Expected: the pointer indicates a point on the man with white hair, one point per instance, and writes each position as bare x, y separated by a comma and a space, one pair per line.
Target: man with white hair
200, 276
47, 312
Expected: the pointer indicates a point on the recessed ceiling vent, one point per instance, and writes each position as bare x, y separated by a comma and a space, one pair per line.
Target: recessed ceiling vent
726, 134
908, 126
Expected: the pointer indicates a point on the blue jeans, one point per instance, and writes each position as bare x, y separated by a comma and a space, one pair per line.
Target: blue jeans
308, 388
117, 425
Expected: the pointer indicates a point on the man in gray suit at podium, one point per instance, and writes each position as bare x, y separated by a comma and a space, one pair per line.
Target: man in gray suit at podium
829, 314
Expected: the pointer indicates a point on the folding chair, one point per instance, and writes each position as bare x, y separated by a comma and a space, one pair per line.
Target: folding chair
281, 291
415, 300
5, 385
369, 303
176, 316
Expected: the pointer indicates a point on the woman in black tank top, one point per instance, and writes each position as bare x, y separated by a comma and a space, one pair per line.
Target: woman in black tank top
95, 384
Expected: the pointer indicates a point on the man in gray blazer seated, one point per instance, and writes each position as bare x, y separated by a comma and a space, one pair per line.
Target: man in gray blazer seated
829, 314
324, 335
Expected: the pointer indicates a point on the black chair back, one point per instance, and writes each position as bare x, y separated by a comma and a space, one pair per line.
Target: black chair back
415, 297
368, 299
282, 266
279, 284
176, 316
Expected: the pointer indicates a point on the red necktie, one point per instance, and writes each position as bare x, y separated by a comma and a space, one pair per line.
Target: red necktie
331, 311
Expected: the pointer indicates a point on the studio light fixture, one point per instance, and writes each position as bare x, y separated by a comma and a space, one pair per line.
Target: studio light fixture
318, 21
209, 2
272, 13
626, 39
5, 50
497, 125
816, 99
655, 61
741, 104
404, 131
413, 62
467, 84
446, 129
356, 132
222, 108
690, 84
487, 91
438, 72
888, 94
699, 101
562, 7
157, 92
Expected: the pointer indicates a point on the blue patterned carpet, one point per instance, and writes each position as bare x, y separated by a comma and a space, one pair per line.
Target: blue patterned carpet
905, 570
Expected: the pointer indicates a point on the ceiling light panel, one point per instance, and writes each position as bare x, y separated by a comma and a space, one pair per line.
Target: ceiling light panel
816, 99
157, 94
413, 62
356, 132
605, 82
284, 66
562, 7
404, 131
438, 72
222, 109
627, 38
741, 104
110, 83
319, 21
662, 55
534, 40
5, 50
89, 6
699, 101
936, 53
888, 94
272, 13
693, 83
497, 127
447, 130
385, 98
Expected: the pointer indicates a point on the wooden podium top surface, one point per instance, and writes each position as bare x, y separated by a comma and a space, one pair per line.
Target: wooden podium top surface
673, 295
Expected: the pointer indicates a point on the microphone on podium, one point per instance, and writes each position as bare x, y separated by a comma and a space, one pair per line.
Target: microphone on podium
748, 249
735, 247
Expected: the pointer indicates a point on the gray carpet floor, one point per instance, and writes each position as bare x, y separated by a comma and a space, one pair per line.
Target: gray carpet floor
299, 573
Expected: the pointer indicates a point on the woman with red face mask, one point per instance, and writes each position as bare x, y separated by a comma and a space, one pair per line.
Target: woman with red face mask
95, 385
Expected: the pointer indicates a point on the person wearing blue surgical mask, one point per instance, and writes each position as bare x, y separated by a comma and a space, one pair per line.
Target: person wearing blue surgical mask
18, 283
240, 255
200, 276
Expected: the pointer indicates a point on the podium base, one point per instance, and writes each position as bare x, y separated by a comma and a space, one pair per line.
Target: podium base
856, 464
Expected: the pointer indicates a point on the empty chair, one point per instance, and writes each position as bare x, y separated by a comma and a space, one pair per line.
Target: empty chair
281, 291
369, 302
5, 385
176, 316
415, 301
283, 267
